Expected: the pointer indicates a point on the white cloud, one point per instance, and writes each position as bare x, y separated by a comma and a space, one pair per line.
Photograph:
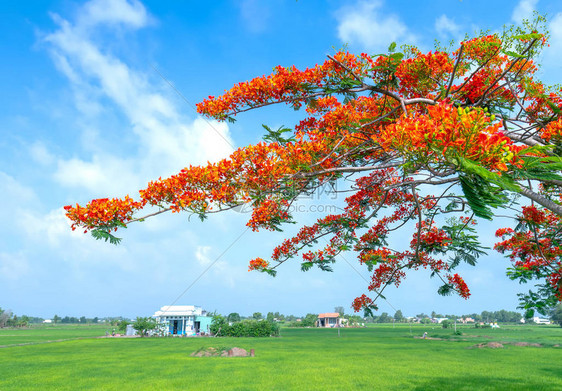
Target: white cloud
524, 10
131, 13
103, 176
552, 57
446, 27
13, 193
364, 24
14, 198
202, 255
51, 229
166, 141
41, 154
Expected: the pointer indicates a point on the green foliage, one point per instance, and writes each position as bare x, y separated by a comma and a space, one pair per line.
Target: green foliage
308, 321
398, 316
122, 325
143, 325
276, 136
384, 318
233, 317
482, 195
556, 314
220, 327
340, 310
104, 234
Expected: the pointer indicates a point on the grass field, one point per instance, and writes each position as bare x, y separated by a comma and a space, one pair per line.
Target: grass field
373, 358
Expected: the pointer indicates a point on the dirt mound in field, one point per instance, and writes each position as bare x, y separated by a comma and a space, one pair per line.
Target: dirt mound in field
492, 345
537, 345
495, 345
223, 352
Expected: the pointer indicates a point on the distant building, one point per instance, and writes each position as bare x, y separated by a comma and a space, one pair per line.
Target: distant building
538, 320
130, 330
48, 321
329, 319
184, 320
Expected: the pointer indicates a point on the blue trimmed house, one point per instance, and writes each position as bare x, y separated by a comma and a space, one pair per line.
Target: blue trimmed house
183, 320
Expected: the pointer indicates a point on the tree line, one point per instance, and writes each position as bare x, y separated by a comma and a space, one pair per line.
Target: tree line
309, 320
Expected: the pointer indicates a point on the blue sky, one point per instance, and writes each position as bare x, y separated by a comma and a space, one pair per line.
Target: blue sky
84, 114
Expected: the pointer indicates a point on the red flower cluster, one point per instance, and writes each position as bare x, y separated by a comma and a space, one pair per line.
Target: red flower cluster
102, 212
424, 73
460, 286
258, 264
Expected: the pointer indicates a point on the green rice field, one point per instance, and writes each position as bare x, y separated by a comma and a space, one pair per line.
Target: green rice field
381, 357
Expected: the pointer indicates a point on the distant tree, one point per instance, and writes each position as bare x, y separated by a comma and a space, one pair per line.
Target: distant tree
24, 321
270, 317
398, 316
95, 320
556, 315
384, 318
35, 319
487, 316
476, 317
12, 322
5, 317
56, 319
309, 320
340, 310
446, 324
144, 325
355, 320
257, 315
514, 317
122, 326
233, 317
83, 319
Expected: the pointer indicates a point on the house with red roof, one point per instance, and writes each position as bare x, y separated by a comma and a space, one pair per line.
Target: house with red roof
329, 319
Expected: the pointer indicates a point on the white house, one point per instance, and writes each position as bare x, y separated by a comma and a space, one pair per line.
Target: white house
183, 320
538, 320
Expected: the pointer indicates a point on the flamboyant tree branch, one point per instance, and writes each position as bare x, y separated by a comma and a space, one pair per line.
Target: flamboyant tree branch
541, 200
467, 131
